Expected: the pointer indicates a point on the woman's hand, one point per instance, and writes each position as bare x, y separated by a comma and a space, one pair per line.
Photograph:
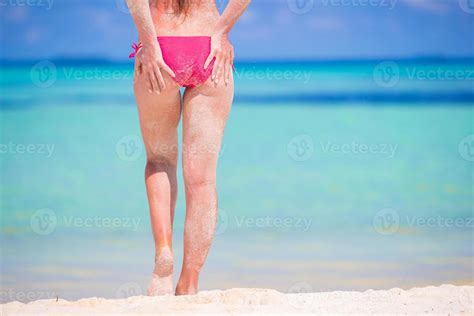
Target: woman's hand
150, 63
223, 51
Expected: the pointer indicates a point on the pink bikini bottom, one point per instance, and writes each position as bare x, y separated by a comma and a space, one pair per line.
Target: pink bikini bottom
186, 56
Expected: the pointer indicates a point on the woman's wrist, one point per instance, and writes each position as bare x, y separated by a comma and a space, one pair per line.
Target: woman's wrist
148, 38
220, 30
148, 42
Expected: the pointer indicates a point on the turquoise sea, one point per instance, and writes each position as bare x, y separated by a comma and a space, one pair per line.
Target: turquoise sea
332, 176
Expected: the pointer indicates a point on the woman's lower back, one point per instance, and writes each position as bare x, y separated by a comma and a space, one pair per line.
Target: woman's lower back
199, 19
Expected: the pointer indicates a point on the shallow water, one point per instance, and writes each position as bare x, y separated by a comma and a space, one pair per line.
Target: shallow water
337, 181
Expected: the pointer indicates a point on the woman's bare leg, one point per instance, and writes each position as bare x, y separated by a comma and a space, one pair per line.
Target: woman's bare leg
205, 113
159, 117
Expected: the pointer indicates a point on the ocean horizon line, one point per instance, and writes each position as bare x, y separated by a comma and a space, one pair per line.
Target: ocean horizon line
411, 98
99, 61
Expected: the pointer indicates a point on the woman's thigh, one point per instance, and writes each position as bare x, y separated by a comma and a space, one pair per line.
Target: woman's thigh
205, 112
159, 116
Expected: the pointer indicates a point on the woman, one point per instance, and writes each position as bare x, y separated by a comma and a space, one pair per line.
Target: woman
183, 43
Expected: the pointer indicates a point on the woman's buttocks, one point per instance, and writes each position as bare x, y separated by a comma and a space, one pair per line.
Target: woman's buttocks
200, 19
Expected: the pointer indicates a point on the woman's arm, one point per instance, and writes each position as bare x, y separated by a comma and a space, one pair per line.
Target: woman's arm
149, 58
221, 48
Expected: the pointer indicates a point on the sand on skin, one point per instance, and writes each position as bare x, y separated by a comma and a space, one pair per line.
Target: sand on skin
445, 299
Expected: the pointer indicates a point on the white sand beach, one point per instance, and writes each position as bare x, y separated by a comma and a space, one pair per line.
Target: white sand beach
442, 300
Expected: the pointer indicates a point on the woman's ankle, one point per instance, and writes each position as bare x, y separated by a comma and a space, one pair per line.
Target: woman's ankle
164, 262
188, 283
186, 290
162, 279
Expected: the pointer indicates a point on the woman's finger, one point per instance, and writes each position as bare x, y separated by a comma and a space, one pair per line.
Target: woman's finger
232, 57
209, 59
148, 83
153, 81
137, 70
138, 66
226, 70
166, 68
159, 76
217, 68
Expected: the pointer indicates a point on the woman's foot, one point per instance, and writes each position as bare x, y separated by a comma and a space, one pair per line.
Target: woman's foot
183, 290
162, 279
187, 284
